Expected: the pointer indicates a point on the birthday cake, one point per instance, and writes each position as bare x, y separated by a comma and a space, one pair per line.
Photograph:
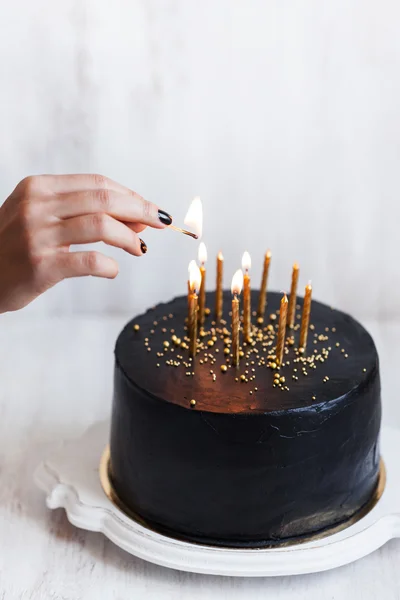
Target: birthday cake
250, 456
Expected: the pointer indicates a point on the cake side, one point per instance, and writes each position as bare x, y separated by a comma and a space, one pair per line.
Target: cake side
246, 478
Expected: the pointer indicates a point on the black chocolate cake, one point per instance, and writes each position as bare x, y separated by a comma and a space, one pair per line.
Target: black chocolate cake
252, 456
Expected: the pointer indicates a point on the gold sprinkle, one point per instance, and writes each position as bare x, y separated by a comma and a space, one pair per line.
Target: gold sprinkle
314, 397
272, 316
158, 364
250, 392
364, 370
243, 378
282, 379
224, 368
193, 402
207, 311
136, 327
210, 342
166, 344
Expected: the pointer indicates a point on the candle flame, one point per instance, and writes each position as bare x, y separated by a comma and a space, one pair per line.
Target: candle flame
296, 266
194, 217
246, 261
202, 253
269, 253
237, 282
284, 299
220, 256
191, 264
194, 276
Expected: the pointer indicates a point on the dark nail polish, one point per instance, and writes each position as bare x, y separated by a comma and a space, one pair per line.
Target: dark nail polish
164, 217
143, 246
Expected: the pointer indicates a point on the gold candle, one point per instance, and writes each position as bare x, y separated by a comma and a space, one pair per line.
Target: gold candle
280, 346
237, 284
262, 299
191, 265
202, 295
246, 264
305, 318
293, 296
219, 290
193, 324
194, 279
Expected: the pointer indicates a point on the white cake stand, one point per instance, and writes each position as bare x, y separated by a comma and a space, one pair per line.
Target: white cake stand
70, 478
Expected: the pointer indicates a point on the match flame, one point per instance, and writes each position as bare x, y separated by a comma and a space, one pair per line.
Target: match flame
194, 276
194, 217
237, 282
220, 256
202, 253
246, 261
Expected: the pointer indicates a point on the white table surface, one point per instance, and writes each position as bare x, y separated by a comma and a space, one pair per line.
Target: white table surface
55, 380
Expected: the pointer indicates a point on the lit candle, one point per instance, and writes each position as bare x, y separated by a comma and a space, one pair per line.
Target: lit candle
262, 299
202, 295
236, 288
192, 262
219, 290
305, 319
246, 264
293, 296
280, 346
194, 279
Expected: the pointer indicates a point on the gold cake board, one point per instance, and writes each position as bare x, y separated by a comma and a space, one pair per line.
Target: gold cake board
105, 480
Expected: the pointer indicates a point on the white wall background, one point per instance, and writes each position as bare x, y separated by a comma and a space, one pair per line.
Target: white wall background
283, 115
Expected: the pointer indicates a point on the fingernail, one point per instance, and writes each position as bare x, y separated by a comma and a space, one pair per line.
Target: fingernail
164, 217
143, 246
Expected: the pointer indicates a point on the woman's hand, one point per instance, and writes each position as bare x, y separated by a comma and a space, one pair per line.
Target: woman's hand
45, 214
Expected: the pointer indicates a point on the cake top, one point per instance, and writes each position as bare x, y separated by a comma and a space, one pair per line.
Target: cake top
152, 351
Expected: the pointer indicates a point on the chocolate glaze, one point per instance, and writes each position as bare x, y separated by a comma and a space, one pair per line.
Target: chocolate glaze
240, 469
